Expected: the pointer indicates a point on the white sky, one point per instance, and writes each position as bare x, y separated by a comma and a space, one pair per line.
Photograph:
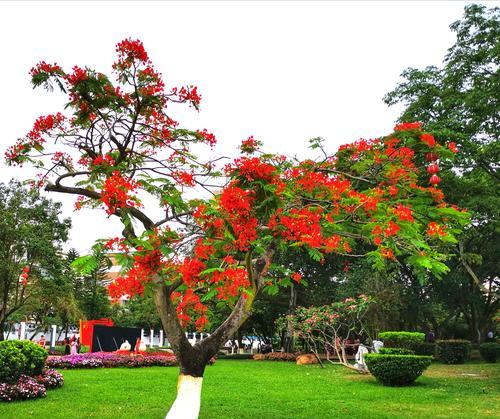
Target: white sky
281, 71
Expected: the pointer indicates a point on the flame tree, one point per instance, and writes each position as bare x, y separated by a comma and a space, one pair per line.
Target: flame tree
118, 149
328, 327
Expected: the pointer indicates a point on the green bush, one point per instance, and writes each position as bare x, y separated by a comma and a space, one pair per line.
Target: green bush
490, 351
408, 340
453, 351
424, 348
35, 357
397, 370
12, 362
396, 351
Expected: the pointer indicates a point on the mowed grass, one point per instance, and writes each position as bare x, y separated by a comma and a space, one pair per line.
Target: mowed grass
247, 389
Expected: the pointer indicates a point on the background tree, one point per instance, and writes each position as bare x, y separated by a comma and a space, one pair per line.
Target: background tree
120, 144
461, 98
31, 235
89, 279
139, 311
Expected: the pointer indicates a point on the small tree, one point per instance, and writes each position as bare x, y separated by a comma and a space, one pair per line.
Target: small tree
121, 144
328, 327
31, 235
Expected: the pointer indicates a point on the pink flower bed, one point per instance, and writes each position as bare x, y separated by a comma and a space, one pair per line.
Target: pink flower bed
31, 387
111, 360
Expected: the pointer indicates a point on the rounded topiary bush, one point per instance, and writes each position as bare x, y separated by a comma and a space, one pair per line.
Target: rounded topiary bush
12, 362
408, 340
490, 351
396, 351
35, 356
455, 351
397, 370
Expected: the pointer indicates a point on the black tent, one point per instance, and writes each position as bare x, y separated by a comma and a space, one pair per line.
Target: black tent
110, 338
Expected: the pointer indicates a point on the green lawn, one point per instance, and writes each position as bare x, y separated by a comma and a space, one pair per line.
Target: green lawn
270, 390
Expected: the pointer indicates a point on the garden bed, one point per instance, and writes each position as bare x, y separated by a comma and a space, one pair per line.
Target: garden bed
112, 360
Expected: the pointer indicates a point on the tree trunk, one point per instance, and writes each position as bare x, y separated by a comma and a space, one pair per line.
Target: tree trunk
188, 400
292, 303
2, 328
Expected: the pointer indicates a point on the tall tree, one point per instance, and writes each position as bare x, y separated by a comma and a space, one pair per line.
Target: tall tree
462, 99
31, 235
219, 244
89, 289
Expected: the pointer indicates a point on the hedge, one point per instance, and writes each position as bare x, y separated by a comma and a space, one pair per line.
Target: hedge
490, 351
402, 339
396, 351
454, 351
397, 370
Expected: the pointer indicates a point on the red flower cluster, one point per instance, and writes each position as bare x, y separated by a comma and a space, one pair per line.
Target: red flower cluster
403, 213
186, 305
453, 146
34, 139
184, 178
230, 282
407, 126
115, 193
250, 145
145, 266
130, 50
43, 67
188, 94
207, 137
434, 229
428, 139
252, 168
105, 160
78, 75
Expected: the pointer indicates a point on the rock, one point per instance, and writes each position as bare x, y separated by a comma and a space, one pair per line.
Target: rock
307, 359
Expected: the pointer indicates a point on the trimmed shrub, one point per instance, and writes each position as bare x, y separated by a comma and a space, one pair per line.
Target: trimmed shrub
397, 370
490, 351
12, 362
455, 351
35, 356
396, 351
408, 340
425, 348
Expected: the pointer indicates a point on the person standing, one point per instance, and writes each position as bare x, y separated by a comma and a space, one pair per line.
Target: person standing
73, 345
66, 346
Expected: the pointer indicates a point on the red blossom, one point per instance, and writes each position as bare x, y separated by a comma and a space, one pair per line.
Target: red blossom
453, 146
428, 139
115, 193
407, 126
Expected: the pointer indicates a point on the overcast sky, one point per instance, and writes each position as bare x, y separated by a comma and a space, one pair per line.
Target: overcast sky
281, 71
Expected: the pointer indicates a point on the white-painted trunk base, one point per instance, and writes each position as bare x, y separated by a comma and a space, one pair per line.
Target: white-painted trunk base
187, 402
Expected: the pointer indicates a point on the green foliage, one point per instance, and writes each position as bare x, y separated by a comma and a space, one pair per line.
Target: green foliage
460, 99
397, 370
453, 351
35, 356
401, 339
424, 348
396, 351
12, 362
490, 351
31, 235
19, 357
